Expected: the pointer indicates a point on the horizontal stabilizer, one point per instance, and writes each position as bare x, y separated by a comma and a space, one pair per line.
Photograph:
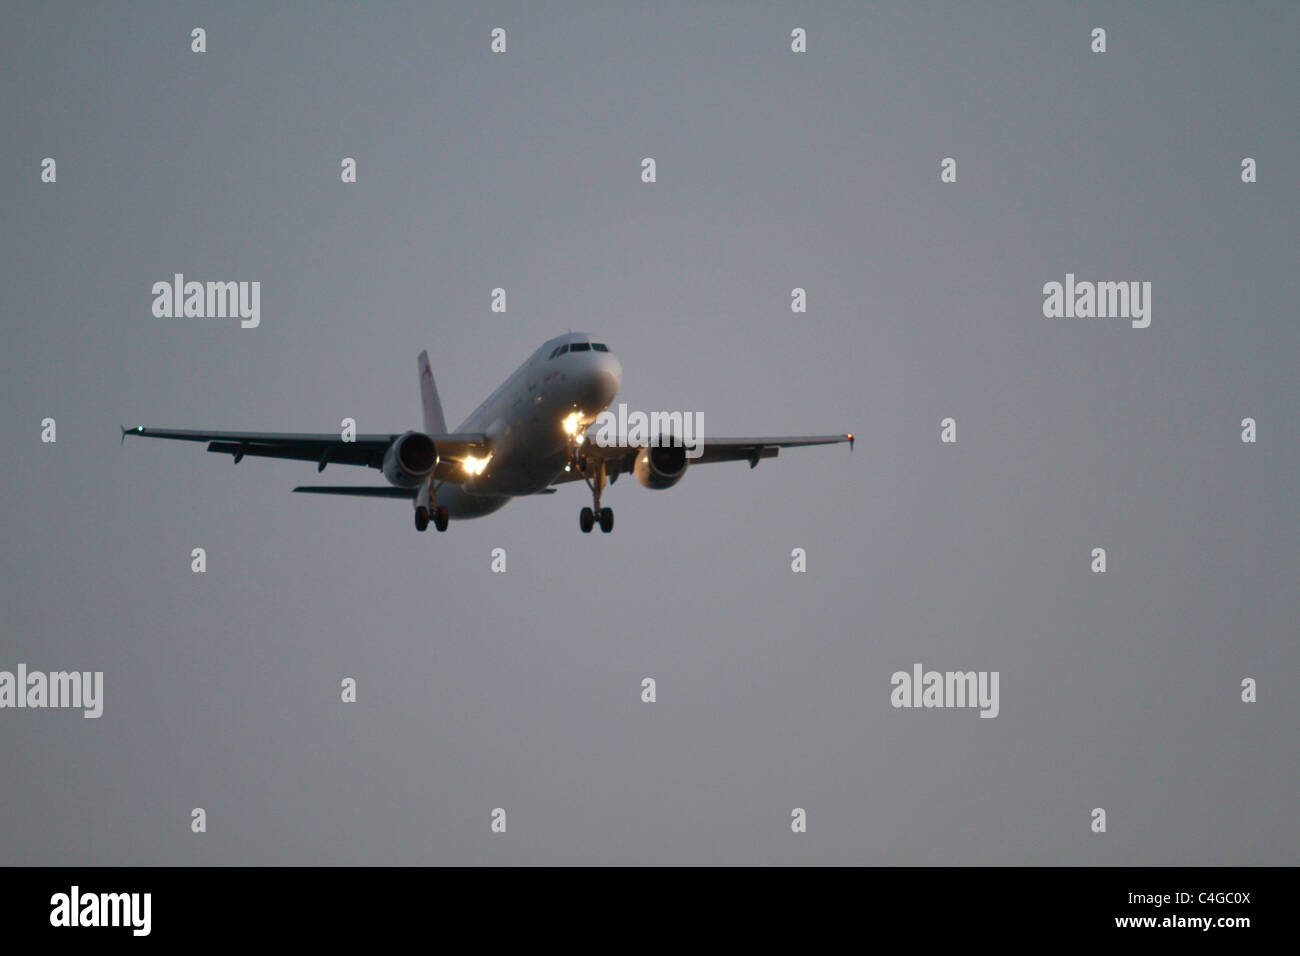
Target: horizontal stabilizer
358, 490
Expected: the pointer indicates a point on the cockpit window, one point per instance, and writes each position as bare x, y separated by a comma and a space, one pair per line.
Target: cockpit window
559, 350
599, 347
580, 347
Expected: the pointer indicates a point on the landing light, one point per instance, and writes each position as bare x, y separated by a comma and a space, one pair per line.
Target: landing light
572, 423
475, 466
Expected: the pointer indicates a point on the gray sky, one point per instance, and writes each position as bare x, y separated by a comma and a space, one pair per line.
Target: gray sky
522, 690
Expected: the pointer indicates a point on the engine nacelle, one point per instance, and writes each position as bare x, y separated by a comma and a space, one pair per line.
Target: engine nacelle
661, 466
410, 459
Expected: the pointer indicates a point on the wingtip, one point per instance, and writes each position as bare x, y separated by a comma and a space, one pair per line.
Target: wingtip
849, 436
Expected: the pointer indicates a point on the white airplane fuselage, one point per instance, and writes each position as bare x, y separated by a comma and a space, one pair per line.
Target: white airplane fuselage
524, 421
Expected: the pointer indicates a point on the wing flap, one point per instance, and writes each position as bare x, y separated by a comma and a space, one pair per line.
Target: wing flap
754, 450
340, 453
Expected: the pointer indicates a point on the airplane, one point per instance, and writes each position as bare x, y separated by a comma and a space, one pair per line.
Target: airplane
527, 437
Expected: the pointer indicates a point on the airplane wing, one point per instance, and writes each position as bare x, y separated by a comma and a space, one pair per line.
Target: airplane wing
324, 448
621, 458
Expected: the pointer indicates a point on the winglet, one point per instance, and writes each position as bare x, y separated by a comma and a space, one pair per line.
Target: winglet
849, 436
123, 427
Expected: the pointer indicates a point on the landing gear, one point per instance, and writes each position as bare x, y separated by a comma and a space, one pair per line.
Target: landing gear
423, 511
588, 517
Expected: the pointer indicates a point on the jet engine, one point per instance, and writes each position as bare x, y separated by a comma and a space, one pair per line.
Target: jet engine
410, 459
661, 466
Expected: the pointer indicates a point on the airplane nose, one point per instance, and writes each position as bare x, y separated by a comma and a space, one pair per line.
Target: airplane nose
608, 387
614, 375
605, 380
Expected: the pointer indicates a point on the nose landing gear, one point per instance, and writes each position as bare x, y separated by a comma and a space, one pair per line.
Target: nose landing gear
588, 517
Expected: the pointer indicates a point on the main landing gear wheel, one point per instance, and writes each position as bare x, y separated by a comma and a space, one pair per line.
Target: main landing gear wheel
586, 520
606, 520
428, 507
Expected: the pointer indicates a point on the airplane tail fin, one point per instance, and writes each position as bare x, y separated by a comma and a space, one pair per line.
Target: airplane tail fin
434, 423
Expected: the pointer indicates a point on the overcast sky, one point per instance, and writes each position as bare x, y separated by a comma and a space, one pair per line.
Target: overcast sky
775, 170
